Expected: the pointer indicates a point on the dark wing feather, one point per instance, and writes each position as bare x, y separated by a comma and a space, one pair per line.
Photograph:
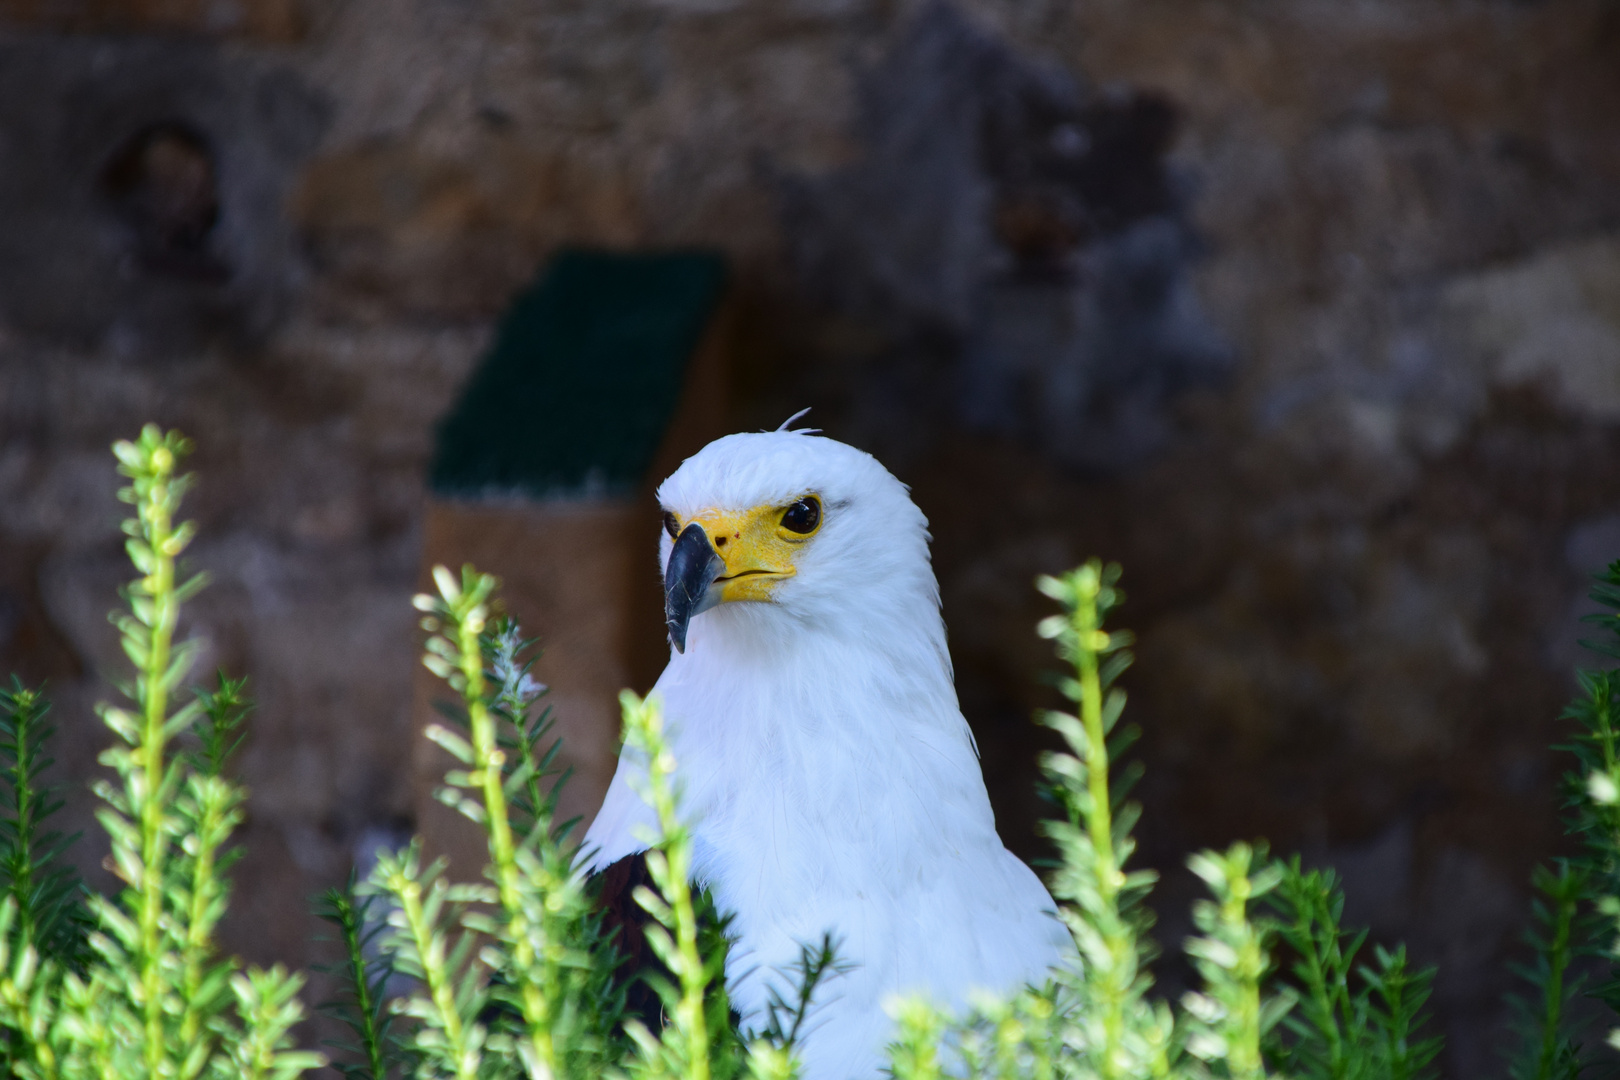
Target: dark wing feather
624, 922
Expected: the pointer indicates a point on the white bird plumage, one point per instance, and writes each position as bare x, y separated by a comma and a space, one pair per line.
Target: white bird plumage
829, 777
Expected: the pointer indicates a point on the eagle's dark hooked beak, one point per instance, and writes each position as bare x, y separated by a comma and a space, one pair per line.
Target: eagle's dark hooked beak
689, 587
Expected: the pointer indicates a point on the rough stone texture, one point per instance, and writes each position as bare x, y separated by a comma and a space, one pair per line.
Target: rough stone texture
1332, 369
270, 21
1019, 238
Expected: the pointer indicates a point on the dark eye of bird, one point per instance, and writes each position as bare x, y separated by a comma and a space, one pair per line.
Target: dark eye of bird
671, 526
803, 516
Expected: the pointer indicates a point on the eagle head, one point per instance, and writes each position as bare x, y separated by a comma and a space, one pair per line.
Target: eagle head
787, 525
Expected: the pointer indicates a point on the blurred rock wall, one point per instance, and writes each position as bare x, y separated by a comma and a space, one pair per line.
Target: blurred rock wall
1307, 312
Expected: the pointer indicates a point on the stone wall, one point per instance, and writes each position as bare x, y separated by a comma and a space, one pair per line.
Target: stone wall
1307, 312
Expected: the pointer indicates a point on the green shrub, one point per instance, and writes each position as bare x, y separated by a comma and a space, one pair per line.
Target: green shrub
1354, 1022
515, 976
133, 984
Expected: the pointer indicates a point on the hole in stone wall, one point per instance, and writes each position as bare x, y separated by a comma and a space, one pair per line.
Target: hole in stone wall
164, 185
1066, 174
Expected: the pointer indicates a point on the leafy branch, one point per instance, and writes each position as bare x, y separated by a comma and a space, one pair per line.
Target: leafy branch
1124, 1034
1233, 1013
1354, 1021
694, 1043
150, 995
364, 981
50, 915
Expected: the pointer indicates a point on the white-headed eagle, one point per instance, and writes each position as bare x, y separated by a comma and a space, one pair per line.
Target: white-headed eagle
830, 780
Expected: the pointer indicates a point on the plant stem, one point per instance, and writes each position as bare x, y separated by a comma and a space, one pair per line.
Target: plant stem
1091, 639
489, 764
1392, 986
349, 920
1564, 893
1100, 821
1315, 936
671, 868
1245, 1060
430, 949
156, 523
23, 706
212, 800
1603, 712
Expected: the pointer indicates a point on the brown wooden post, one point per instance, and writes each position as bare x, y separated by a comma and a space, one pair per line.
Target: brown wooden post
579, 572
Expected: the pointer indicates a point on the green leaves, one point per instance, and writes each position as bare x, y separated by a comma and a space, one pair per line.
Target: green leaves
1232, 1014
515, 976
1396, 1011
1094, 1019
448, 1039
784, 1018
921, 1028
1550, 1050
148, 993
220, 727
1577, 910
267, 1002
1120, 1033
50, 915
364, 982
1354, 1021
694, 1044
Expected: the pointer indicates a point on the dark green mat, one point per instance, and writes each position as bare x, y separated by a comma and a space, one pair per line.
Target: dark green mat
583, 377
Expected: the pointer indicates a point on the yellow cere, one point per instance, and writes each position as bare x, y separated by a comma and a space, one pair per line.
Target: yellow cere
757, 550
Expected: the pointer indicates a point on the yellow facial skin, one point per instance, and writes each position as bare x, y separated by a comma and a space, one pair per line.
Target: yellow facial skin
757, 551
